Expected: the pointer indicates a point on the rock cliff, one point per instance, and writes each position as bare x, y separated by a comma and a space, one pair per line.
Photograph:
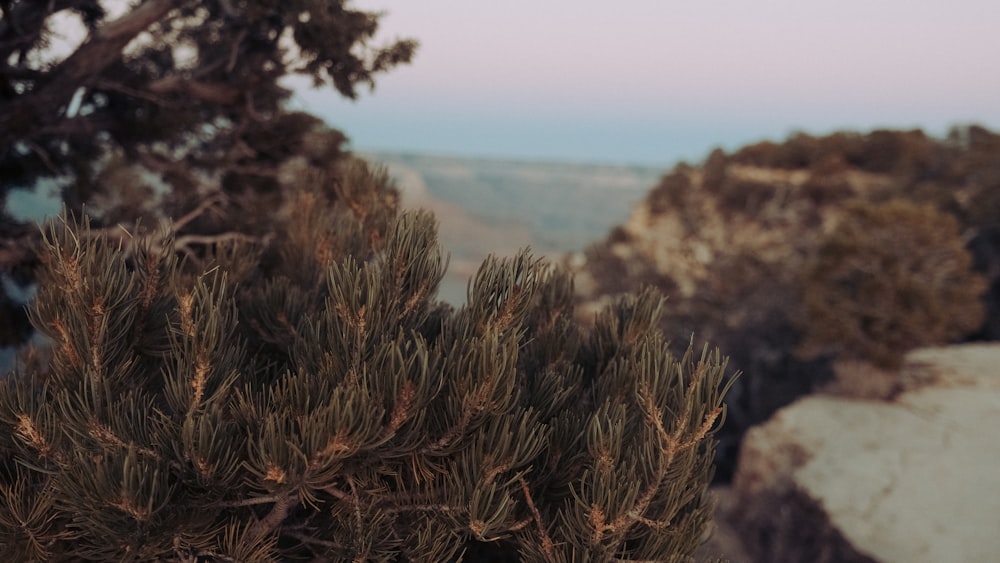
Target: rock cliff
729, 241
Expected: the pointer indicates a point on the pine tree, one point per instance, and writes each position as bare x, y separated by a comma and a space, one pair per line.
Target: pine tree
305, 397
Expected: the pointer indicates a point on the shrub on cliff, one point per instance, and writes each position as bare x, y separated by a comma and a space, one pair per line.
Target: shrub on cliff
891, 277
307, 398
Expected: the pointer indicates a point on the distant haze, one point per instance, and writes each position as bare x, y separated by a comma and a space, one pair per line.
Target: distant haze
651, 81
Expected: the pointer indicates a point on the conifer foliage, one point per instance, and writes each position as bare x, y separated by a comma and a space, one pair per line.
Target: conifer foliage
309, 398
306, 397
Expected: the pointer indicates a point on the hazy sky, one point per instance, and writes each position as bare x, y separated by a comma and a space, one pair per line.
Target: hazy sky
651, 81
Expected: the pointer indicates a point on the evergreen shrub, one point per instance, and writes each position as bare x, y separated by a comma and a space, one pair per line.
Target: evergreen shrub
891, 277
306, 398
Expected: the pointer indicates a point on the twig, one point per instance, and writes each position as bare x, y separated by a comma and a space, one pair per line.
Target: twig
213, 199
188, 240
314, 541
122, 89
274, 518
252, 501
547, 546
424, 508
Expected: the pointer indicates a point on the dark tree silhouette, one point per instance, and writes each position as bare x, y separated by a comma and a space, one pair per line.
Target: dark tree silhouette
171, 110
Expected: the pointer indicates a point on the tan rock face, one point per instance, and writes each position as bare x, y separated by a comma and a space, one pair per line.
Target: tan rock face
730, 272
914, 479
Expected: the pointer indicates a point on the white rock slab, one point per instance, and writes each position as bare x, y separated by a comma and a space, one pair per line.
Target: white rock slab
915, 479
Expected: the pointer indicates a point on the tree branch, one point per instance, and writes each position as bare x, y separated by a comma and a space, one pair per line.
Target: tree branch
278, 513
41, 107
211, 92
21, 25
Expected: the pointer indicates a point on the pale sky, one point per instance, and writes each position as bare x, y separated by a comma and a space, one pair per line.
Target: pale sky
647, 81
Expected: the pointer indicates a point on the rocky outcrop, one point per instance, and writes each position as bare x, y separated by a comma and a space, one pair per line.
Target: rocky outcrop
911, 479
731, 243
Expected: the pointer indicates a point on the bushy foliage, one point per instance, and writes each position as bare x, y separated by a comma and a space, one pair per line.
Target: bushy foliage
881, 151
306, 397
890, 278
